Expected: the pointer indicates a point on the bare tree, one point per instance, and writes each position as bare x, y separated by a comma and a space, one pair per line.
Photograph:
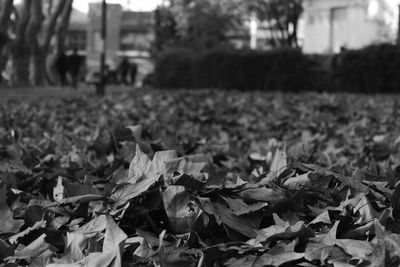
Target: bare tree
36, 19
36, 32
282, 17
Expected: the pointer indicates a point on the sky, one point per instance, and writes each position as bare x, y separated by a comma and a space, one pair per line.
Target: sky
138, 5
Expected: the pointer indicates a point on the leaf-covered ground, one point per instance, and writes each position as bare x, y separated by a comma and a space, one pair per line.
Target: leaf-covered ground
203, 178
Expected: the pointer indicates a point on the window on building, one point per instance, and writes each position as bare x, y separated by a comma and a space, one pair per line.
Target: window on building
135, 41
339, 13
127, 41
76, 39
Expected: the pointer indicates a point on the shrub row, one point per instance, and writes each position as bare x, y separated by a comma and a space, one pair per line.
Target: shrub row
227, 69
372, 69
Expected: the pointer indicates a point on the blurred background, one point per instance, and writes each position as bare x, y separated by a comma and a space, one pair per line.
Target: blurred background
174, 43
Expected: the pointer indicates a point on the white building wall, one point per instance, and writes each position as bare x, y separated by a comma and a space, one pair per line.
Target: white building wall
316, 31
362, 30
322, 35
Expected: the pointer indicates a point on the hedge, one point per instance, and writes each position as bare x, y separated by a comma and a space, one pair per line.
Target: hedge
372, 69
368, 70
174, 69
229, 69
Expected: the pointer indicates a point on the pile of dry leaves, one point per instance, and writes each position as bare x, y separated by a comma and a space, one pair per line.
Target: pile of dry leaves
200, 179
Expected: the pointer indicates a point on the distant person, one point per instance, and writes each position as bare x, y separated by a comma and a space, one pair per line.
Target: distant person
123, 69
112, 74
336, 66
133, 72
62, 68
74, 63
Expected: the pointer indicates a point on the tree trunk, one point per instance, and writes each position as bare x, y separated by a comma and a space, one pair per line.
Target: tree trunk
49, 26
36, 66
6, 7
49, 7
33, 42
19, 50
59, 40
51, 23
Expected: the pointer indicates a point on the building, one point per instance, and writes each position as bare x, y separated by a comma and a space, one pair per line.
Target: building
77, 34
129, 34
254, 34
332, 24
137, 32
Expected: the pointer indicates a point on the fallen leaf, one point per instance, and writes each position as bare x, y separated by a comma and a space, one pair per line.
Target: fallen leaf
181, 210
7, 222
143, 173
297, 182
244, 226
323, 253
279, 162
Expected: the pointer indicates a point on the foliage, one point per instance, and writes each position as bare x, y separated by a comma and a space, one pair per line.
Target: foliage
230, 69
198, 25
357, 70
165, 29
206, 181
284, 69
207, 24
174, 68
281, 17
250, 70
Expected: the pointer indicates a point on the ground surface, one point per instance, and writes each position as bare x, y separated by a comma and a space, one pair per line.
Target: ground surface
199, 178
27, 94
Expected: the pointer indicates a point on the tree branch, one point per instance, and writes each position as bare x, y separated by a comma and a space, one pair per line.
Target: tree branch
22, 23
51, 22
